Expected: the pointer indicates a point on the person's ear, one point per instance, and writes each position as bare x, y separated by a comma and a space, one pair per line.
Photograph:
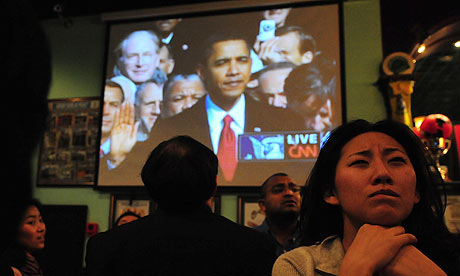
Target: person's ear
262, 205
331, 198
307, 57
171, 64
200, 70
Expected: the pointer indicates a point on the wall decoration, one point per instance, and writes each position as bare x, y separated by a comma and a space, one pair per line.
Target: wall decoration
68, 151
138, 203
249, 213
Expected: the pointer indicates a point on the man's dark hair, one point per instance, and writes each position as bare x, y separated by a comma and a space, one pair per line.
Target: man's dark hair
180, 174
307, 42
223, 35
112, 83
263, 187
304, 81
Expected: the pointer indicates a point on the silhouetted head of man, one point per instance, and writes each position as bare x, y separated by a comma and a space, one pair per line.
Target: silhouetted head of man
180, 174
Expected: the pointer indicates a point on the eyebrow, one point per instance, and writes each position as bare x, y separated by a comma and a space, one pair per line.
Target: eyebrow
282, 184
226, 58
386, 151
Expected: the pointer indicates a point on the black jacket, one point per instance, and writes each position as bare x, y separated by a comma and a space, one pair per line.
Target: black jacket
191, 243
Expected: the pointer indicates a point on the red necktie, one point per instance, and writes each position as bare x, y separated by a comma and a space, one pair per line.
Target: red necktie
227, 150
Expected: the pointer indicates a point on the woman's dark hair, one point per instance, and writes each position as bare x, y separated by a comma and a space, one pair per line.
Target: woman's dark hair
320, 219
180, 174
15, 254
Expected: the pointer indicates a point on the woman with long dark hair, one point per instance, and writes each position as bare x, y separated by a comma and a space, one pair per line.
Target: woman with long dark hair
372, 206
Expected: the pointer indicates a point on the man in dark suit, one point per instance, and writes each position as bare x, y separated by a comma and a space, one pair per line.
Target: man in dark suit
225, 69
183, 237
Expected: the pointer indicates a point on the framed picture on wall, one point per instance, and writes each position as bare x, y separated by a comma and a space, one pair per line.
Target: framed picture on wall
68, 150
249, 212
137, 203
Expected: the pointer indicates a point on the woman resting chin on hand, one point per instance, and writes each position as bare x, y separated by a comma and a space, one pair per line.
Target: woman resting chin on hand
371, 207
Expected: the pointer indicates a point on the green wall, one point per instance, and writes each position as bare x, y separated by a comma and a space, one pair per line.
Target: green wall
78, 68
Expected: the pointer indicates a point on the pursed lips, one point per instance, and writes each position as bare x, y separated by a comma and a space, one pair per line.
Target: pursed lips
289, 202
387, 192
233, 81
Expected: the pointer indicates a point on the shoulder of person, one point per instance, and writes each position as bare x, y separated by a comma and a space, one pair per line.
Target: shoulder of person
325, 257
298, 261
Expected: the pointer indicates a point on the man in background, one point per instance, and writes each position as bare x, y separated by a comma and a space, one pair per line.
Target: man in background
271, 83
277, 15
181, 91
308, 96
165, 29
149, 97
137, 56
113, 99
183, 237
280, 201
166, 60
291, 44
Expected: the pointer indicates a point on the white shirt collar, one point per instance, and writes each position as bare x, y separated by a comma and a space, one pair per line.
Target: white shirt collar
167, 39
216, 115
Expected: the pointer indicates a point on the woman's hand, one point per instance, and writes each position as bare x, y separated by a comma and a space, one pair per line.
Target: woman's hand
373, 248
410, 261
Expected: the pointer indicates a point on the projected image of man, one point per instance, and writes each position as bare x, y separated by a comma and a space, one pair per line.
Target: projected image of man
137, 56
182, 91
225, 112
113, 98
291, 44
149, 97
271, 83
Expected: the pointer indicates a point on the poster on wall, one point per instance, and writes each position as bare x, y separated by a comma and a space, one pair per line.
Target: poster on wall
249, 212
141, 205
68, 151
